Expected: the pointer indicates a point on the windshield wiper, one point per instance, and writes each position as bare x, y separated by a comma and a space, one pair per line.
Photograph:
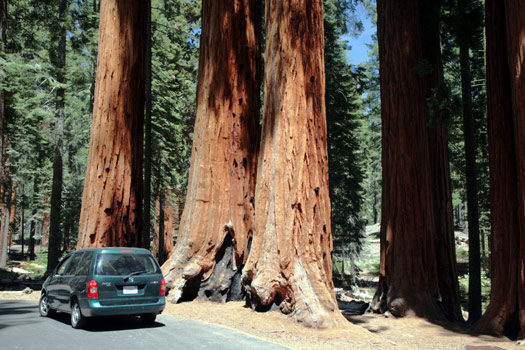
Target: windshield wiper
133, 274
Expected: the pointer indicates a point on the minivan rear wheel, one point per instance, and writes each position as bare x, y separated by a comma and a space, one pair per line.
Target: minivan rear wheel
43, 306
77, 320
148, 318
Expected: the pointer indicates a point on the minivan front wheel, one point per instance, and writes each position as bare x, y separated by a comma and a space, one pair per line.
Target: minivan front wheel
77, 320
43, 306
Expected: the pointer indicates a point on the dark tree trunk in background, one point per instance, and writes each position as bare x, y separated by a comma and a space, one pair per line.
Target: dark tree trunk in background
413, 243
290, 262
3, 211
211, 251
146, 233
6, 219
469, 132
59, 62
160, 231
504, 314
439, 163
22, 221
3, 41
112, 200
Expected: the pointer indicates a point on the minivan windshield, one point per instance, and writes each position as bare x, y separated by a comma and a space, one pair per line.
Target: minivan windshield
117, 264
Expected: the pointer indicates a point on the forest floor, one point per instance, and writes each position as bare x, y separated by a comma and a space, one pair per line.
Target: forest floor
368, 331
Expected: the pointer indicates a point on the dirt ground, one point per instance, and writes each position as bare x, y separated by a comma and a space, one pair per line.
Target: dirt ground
369, 331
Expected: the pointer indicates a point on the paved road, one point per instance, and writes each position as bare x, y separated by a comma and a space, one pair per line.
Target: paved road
21, 327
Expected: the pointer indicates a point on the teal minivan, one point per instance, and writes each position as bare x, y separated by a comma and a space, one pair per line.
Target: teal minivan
105, 282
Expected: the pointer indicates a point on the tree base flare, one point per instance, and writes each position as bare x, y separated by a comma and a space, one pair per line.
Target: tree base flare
307, 300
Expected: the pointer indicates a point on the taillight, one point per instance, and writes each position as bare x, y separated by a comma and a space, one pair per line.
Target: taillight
92, 289
162, 287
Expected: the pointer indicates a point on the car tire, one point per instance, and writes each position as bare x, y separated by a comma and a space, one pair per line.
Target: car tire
77, 319
43, 306
148, 319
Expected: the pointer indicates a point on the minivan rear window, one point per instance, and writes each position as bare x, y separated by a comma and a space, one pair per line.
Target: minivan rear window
115, 264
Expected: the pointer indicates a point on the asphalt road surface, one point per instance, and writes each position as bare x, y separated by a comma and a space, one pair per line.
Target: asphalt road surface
21, 327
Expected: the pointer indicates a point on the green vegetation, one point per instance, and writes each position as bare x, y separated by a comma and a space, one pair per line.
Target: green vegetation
485, 290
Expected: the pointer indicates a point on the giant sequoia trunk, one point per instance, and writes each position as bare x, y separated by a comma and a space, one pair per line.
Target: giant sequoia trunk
439, 165
146, 229
111, 204
218, 219
410, 241
290, 263
506, 120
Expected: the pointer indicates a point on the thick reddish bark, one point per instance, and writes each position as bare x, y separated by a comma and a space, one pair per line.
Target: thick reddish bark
218, 218
506, 270
515, 16
410, 240
290, 263
111, 204
439, 163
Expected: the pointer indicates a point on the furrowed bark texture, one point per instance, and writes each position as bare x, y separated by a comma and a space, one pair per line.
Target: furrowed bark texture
439, 163
290, 263
502, 314
218, 219
111, 204
515, 14
408, 271
146, 224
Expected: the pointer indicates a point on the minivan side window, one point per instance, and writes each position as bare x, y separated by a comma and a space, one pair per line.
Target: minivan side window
62, 267
83, 266
73, 265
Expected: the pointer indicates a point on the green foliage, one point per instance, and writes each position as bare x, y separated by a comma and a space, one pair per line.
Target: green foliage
28, 65
466, 23
370, 131
175, 51
343, 110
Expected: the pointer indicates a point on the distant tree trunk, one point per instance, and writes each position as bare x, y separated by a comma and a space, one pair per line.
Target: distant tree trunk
22, 221
34, 207
3, 213
290, 262
169, 225
5, 224
164, 226
162, 200
3, 41
408, 281
504, 314
112, 199
177, 211
211, 251
56, 194
32, 231
147, 138
469, 132
439, 163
